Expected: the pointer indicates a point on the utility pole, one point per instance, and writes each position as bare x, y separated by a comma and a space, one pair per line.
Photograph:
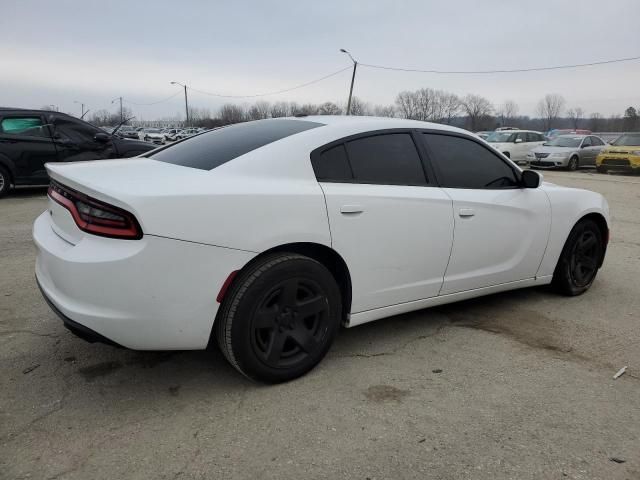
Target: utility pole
186, 103
353, 77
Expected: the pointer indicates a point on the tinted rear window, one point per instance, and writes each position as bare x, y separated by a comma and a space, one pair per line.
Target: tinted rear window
210, 150
389, 159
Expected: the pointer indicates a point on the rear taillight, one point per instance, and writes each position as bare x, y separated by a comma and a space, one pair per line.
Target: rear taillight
94, 216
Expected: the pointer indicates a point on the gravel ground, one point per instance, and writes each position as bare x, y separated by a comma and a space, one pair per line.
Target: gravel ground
512, 386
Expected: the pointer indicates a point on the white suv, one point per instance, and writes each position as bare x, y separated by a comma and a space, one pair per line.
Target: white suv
515, 144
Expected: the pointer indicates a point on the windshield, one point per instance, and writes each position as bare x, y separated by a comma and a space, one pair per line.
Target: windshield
630, 140
565, 142
501, 137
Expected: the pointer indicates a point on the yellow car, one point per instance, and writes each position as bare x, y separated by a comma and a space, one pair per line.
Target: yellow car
622, 154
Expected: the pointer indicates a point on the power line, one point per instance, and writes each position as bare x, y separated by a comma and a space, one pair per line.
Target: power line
152, 103
516, 70
272, 93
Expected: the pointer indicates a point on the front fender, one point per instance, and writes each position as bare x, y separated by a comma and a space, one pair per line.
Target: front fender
568, 207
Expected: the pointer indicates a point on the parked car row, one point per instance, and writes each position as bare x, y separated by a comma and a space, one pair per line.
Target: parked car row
570, 149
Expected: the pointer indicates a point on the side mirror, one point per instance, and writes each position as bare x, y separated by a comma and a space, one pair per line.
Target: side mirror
101, 137
531, 179
584, 146
518, 140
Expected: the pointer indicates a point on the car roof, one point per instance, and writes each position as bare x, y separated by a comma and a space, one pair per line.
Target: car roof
367, 123
575, 135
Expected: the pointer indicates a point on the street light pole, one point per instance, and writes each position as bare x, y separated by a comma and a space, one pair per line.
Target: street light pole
81, 108
353, 77
121, 114
186, 103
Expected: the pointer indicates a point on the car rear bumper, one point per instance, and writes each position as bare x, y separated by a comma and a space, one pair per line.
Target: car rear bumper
150, 294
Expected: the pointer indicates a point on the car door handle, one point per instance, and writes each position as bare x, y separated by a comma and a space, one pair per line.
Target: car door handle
466, 212
351, 209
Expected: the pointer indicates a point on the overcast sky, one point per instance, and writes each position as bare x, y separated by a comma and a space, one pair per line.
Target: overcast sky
55, 52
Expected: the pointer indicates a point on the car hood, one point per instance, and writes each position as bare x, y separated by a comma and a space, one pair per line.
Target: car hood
620, 148
501, 145
543, 149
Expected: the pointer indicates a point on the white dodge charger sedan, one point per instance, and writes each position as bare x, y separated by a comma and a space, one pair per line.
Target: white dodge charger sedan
267, 236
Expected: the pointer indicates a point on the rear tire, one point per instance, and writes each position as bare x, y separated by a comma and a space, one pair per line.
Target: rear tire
5, 181
574, 164
580, 259
279, 318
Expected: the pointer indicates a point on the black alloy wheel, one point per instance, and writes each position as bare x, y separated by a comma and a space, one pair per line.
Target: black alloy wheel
580, 259
584, 258
279, 317
290, 322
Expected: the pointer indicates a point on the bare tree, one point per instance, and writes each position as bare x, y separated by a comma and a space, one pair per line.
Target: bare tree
384, 111
550, 108
575, 115
425, 104
451, 106
231, 113
407, 105
358, 107
508, 111
478, 110
259, 110
279, 109
308, 109
630, 119
595, 121
329, 108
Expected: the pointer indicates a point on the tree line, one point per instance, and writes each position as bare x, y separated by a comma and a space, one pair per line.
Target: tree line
472, 112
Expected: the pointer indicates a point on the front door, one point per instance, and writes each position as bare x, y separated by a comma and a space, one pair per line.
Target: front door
75, 141
501, 229
388, 221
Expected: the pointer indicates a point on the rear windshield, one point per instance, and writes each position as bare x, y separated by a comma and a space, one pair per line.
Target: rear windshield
211, 149
628, 140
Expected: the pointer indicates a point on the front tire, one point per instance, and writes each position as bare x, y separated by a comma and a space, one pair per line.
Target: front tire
580, 259
279, 318
5, 181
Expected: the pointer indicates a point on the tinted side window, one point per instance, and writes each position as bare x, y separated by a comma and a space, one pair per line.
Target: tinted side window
463, 163
596, 141
586, 142
390, 159
212, 149
332, 165
23, 126
522, 136
77, 132
533, 137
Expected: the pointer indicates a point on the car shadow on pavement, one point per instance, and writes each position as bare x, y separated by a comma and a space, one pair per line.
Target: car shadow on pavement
171, 372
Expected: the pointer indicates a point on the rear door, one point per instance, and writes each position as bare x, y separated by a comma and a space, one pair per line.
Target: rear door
501, 230
25, 140
389, 222
594, 150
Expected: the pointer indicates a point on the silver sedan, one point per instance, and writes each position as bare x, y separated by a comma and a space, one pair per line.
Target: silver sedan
566, 151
